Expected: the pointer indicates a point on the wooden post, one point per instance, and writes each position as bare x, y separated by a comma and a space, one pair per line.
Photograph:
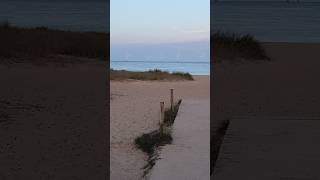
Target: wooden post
171, 99
161, 117
171, 105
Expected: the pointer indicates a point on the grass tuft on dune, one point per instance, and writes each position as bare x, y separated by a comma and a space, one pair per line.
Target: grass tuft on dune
148, 142
38, 42
232, 46
155, 74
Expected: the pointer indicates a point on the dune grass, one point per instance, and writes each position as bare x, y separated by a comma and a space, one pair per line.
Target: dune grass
155, 74
149, 141
232, 46
38, 42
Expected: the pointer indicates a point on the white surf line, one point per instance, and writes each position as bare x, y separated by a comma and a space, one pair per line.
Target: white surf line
188, 157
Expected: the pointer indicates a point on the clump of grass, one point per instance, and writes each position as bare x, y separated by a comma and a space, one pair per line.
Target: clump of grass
187, 76
232, 46
38, 42
155, 71
150, 141
155, 74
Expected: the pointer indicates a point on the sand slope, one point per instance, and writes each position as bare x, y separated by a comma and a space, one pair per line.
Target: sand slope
188, 156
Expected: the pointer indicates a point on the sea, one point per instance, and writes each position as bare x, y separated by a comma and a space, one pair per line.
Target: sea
194, 68
172, 57
269, 21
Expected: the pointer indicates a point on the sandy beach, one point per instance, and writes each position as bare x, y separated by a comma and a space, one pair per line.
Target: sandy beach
53, 121
286, 85
135, 110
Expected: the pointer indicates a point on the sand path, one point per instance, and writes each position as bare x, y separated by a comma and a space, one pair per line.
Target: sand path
188, 157
135, 110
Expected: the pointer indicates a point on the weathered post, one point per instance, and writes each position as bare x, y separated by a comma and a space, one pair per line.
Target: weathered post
171, 105
161, 118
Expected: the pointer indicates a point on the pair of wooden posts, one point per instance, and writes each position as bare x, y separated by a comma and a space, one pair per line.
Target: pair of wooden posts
162, 112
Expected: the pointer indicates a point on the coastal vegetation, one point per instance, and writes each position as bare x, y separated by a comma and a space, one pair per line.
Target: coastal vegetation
34, 43
149, 142
154, 74
232, 47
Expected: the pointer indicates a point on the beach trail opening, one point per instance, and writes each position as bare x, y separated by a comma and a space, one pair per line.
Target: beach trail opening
188, 157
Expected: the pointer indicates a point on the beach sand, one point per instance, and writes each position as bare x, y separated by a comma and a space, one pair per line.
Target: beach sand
53, 121
135, 109
287, 85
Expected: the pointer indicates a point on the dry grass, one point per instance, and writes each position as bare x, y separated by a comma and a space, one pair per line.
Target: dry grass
148, 75
148, 142
231, 46
34, 43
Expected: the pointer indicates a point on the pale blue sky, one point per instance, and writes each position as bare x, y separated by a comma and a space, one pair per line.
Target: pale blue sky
159, 21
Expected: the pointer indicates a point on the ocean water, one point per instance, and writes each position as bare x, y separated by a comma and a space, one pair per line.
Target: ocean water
72, 15
185, 57
194, 68
269, 21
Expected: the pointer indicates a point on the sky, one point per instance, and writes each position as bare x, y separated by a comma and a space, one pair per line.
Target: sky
160, 30
159, 21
